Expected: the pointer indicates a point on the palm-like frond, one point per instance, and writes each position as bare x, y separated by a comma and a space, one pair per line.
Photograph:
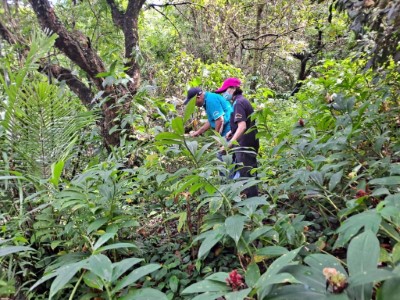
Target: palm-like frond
39, 121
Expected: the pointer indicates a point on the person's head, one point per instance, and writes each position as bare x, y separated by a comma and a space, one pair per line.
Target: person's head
230, 87
195, 92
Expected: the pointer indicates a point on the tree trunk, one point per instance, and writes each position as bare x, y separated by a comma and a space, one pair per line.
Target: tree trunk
77, 47
257, 53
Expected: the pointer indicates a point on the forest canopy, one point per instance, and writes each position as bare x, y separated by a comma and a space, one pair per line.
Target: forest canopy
114, 184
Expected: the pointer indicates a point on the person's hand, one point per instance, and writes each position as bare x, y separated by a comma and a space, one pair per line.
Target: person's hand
194, 133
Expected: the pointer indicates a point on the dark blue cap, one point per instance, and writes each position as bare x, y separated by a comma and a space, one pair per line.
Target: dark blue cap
195, 91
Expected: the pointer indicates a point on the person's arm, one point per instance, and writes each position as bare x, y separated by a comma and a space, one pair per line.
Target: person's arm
239, 132
201, 130
219, 124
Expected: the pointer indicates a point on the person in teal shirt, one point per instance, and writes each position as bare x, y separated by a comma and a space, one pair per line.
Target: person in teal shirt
218, 110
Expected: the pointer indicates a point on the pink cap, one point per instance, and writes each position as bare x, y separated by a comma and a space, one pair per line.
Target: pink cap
230, 82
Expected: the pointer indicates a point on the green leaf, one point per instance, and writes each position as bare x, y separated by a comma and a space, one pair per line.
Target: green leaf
370, 276
96, 224
260, 231
252, 274
234, 226
103, 239
189, 110
239, 295
209, 242
272, 251
205, 286
173, 283
396, 253
115, 246
101, 266
321, 261
177, 126
14, 249
209, 296
56, 170
219, 276
135, 275
253, 201
91, 280
271, 276
121, 267
335, 179
362, 258
390, 289
369, 220
64, 275
144, 294
391, 180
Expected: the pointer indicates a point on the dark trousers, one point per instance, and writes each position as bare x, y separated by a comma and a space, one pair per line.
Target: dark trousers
246, 161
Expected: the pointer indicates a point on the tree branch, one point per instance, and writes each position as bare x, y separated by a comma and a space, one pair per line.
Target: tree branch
77, 87
73, 44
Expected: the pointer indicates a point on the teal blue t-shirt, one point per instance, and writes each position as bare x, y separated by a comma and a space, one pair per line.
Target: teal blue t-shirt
217, 106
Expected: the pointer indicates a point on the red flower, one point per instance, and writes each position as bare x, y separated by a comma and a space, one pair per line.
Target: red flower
301, 122
235, 280
361, 193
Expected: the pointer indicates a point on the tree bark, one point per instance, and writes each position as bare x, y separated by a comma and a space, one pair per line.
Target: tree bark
77, 48
257, 54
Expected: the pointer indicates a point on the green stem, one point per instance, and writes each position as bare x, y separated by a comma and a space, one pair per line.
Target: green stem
71, 297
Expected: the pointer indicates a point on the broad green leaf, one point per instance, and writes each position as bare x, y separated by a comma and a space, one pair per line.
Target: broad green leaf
369, 220
299, 292
253, 201
390, 289
103, 239
189, 110
234, 226
310, 277
209, 242
209, 296
173, 283
252, 274
64, 275
239, 295
396, 253
144, 294
121, 267
14, 249
115, 246
363, 257
263, 284
56, 170
91, 280
391, 180
272, 251
219, 276
96, 225
335, 179
101, 266
321, 261
205, 286
260, 231
135, 275
380, 192
370, 276
169, 137
177, 126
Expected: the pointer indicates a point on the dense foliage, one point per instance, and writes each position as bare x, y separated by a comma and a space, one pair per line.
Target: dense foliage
132, 207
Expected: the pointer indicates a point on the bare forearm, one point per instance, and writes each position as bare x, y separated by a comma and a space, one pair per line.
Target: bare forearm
203, 128
239, 132
219, 125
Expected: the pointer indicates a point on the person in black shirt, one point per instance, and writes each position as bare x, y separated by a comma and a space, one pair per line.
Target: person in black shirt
243, 131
